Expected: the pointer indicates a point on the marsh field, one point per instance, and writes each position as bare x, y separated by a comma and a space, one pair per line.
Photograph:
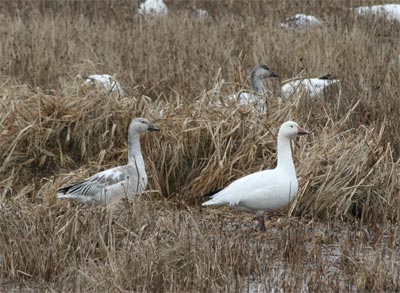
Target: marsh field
340, 234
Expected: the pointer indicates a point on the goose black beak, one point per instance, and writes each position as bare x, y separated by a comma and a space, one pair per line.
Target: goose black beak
152, 128
273, 74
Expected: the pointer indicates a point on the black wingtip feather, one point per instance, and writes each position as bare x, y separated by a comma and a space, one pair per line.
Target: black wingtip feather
65, 189
327, 76
210, 194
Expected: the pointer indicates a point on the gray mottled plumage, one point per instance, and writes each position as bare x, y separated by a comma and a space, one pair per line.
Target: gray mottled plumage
117, 182
257, 97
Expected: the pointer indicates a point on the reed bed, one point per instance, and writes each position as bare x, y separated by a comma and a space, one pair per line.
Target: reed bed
341, 232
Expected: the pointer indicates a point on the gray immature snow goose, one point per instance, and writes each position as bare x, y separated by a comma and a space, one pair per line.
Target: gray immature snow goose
267, 190
257, 97
117, 182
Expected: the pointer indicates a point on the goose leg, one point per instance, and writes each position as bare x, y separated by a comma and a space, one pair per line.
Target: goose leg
261, 223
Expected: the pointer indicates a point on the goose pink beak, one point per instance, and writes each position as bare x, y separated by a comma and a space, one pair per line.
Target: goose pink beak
302, 131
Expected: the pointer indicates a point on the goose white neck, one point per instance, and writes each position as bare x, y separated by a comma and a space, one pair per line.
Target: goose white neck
257, 84
285, 160
134, 150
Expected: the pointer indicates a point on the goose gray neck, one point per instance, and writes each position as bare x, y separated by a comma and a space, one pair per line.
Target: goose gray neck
134, 150
285, 160
257, 83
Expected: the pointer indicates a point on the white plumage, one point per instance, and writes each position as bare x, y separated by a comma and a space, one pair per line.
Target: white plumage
266, 190
312, 87
202, 13
156, 7
390, 11
256, 98
106, 82
117, 182
301, 21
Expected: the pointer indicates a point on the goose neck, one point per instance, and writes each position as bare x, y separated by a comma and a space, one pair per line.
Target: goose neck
285, 160
134, 150
257, 84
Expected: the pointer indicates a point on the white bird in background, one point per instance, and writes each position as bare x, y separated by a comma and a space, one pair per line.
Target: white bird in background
256, 98
301, 21
156, 7
311, 86
202, 14
117, 182
390, 11
106, 82
267, 190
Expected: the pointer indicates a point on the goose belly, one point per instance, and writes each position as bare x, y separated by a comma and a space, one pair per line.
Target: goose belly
126, 188
245, 99
269, 199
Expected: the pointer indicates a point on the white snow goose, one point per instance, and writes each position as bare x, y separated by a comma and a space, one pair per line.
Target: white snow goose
390, 11
257, 97
267, 190
201, 14
117, 182
154, 7
106, 82
312, 87
301, 21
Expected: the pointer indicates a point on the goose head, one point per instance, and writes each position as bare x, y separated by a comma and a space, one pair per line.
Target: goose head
291, 129
261, 71
258, 73
140, 125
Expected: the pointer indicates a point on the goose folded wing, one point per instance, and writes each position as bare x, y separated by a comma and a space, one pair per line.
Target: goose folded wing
250, 186
96, 183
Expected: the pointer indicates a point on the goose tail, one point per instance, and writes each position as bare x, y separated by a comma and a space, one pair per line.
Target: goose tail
65, 191
62, 195
210, 198
209, 195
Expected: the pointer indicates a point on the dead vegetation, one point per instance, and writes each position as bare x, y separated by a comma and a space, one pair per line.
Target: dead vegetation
341, 232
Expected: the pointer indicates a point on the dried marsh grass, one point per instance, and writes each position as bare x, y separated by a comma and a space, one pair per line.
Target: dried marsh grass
340, 233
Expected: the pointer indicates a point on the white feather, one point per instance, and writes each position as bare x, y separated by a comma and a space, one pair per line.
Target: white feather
156, 7
390, 11
266, 190
301, 21
117, 182
106, 82
258, 96
245, 99
259, 192
312, 87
